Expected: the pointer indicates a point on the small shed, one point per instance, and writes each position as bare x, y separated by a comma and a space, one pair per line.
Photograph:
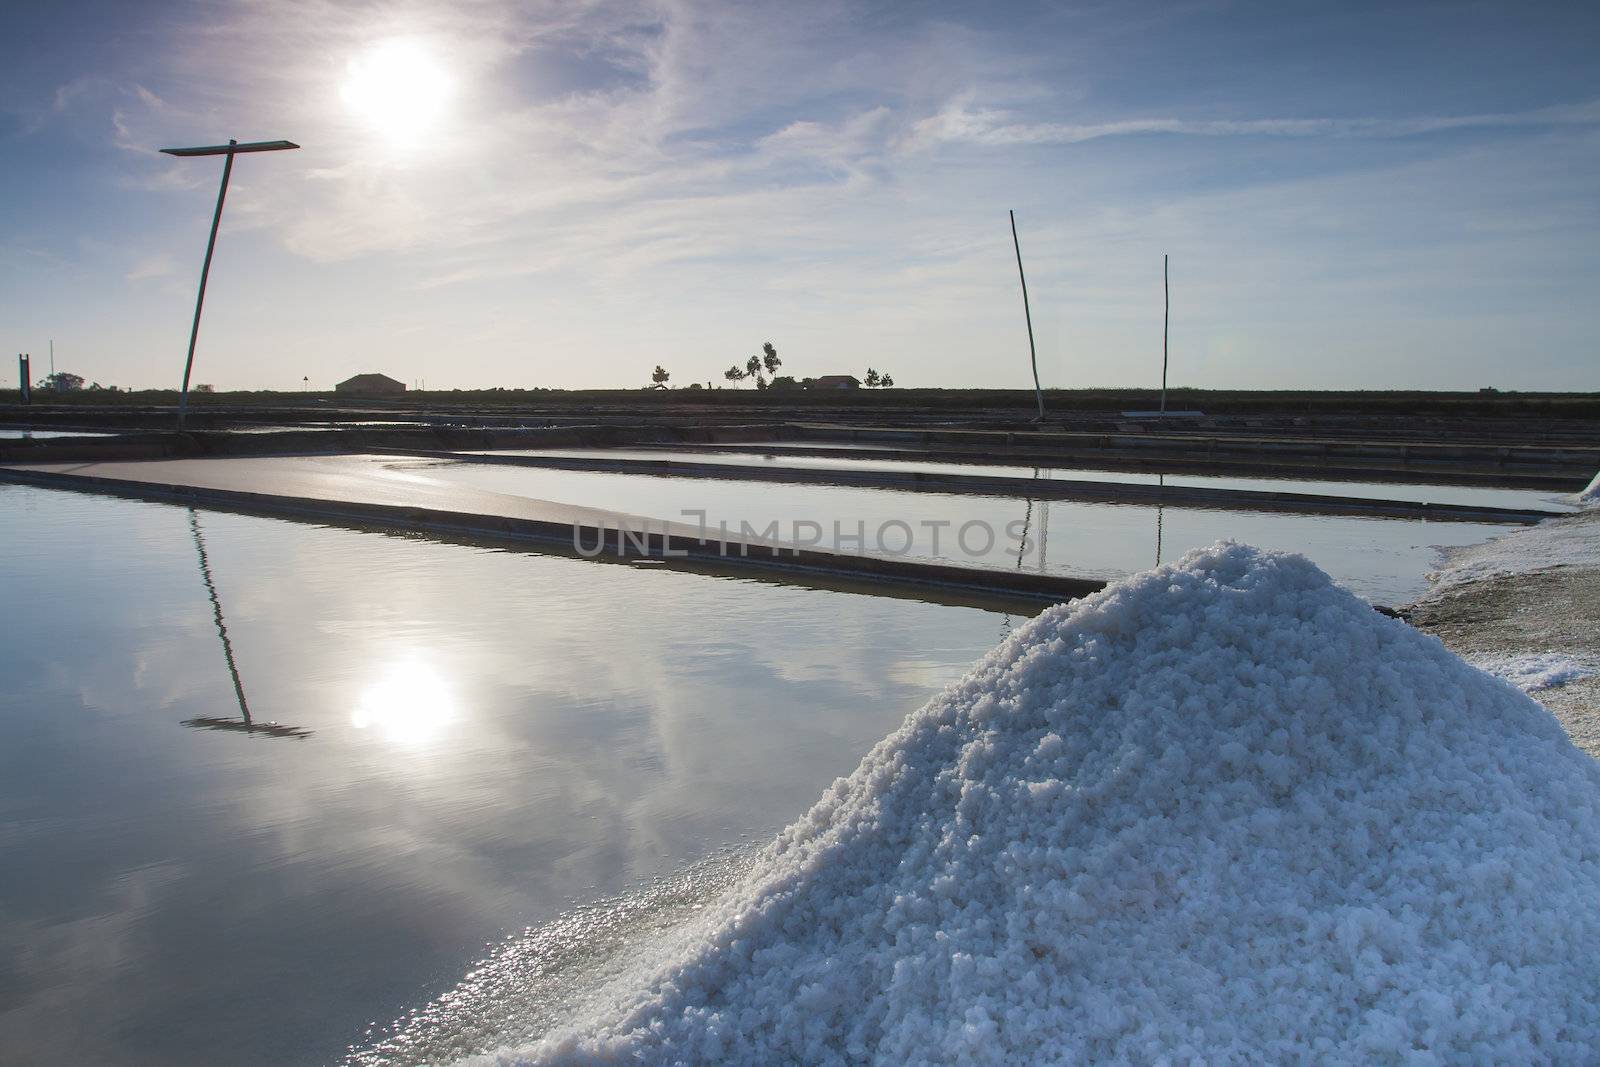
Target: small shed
370, 383
835, 381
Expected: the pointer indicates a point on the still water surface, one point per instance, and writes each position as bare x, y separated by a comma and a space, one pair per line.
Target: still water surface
1385, 560
12, 433
470, 741
1536, 499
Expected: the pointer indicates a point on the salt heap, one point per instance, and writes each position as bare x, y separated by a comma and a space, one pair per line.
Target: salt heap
1223, 811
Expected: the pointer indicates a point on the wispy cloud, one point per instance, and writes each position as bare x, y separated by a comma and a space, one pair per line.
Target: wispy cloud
962, 122
159, 265
832, 166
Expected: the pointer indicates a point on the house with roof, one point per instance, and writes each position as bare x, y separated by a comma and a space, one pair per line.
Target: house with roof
369, 384
833, 381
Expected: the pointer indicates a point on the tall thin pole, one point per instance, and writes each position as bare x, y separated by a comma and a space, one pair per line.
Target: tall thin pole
1033, 355
52, 358
1166, 314
205, 272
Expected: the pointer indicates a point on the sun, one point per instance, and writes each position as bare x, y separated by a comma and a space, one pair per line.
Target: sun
397, 88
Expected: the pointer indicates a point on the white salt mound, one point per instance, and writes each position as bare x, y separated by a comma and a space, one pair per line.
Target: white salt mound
1222, 812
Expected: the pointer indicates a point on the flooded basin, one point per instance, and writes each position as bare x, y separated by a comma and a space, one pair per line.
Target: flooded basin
1382, 559
445, 744
755, 457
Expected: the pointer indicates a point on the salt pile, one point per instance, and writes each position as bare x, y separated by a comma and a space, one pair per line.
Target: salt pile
1223, 811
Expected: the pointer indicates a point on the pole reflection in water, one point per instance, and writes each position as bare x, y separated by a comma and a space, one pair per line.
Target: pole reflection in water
1161, 482
243, 724
1027, 526
1022, 547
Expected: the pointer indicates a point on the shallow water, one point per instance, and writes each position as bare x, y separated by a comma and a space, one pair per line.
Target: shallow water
490, 739
1537, 499
15, 434
1382, 559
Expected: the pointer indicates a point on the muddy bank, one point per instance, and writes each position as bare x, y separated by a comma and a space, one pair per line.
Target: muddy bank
1522, 597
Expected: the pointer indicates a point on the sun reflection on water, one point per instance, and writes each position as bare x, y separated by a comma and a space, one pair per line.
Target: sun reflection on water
409, 703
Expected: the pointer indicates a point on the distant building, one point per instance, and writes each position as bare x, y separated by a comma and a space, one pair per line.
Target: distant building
370, 383
834, 381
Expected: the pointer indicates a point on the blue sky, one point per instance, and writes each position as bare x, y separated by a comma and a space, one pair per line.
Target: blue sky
565, 194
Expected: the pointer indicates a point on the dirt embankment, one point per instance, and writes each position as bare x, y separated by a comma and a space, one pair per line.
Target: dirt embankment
1552, 607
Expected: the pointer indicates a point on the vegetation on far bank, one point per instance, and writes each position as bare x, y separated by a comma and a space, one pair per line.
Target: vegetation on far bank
1211, 401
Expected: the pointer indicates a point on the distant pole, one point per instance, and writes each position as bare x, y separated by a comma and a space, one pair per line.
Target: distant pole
1166, 315
231, 149
52, 357
1033, 355
22, 372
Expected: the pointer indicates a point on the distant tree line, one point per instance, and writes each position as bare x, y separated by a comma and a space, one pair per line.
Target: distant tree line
767, 361
62, 381
763, 370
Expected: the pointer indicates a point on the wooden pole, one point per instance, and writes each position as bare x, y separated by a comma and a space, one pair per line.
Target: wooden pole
205, 272
1033, 355
1166, 315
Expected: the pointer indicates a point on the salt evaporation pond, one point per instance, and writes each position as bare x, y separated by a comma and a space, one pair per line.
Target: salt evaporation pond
12, 433
1382, 559
1221, 813
1535, 499
495, 737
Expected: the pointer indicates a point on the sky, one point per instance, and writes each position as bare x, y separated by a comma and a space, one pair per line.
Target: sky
564, 194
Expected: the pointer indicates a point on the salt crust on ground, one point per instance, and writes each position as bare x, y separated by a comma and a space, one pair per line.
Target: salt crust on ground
1569, 541
1536, 670
1591, 494
1222, 812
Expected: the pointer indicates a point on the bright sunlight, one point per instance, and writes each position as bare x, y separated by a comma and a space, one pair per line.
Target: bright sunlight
408, 703
398, 88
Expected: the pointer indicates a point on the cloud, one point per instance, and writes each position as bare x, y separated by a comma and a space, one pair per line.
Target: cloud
961, 122
156, 266
610, 173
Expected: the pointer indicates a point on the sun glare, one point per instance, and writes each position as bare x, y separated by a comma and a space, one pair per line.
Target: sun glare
398, 88
409, 703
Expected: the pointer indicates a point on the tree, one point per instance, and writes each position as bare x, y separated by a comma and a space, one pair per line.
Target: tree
872, 379
659, 376
769, 359
886, 381
205, 388
61, 382
733, 374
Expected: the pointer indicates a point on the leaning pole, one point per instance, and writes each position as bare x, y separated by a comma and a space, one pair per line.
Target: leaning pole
231, 149
1033, 355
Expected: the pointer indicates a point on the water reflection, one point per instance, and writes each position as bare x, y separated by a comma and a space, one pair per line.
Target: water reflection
1026, 541
408, 704
1382, 559
243, 724
1023, 545
1160, 515
539, 732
